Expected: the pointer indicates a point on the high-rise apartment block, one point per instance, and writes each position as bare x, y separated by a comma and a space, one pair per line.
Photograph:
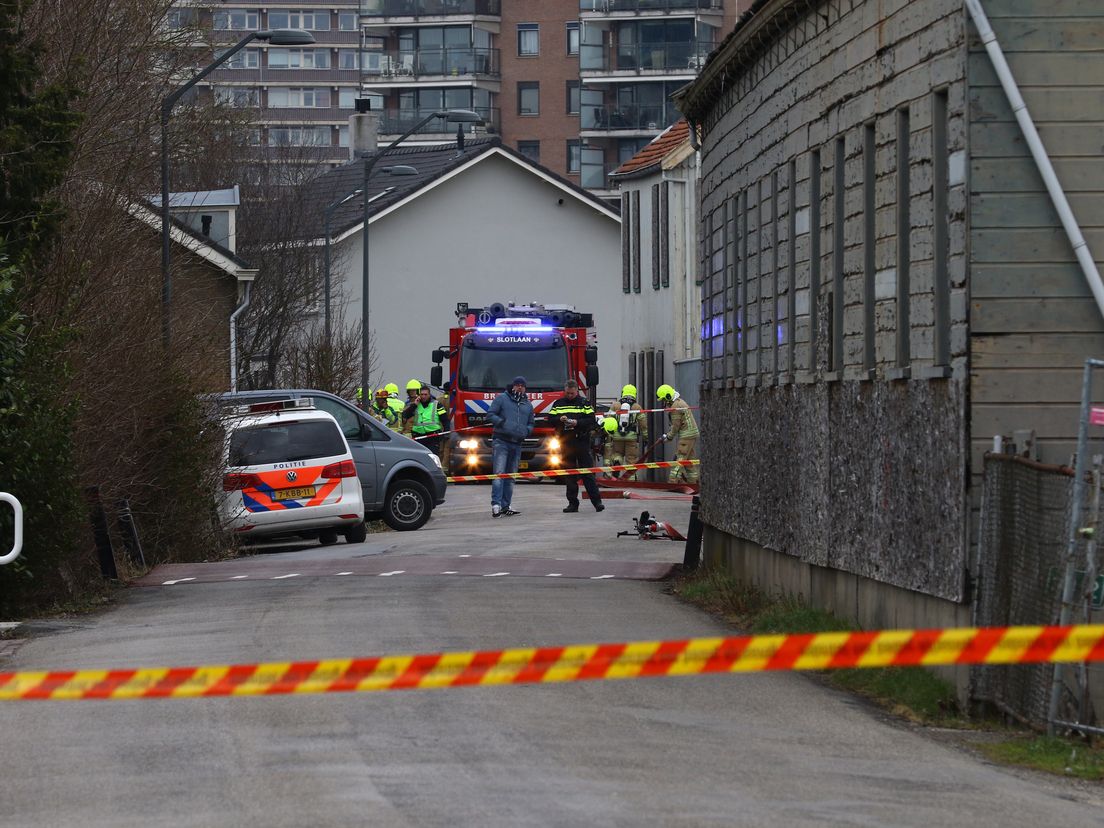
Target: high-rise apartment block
578, 85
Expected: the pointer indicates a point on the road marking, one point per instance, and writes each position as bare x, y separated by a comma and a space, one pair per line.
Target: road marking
554, 575
495, 574
450, 572
344, 573
464, 556
238, 577
601, 577
177, 581
281, 577
388, 574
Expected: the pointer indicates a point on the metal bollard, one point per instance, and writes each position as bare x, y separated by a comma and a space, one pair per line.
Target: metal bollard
692, 556
17, 545
129, 530
101, 535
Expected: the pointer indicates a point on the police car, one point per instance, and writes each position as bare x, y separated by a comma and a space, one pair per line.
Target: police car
289, 471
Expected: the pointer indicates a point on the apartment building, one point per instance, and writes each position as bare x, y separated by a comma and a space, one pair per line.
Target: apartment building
579, 86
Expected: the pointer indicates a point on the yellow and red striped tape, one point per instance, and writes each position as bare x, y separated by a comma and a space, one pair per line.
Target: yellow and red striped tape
534, 475
581, 662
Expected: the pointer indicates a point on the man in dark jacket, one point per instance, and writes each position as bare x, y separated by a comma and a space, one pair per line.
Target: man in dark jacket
573, 418
511, 414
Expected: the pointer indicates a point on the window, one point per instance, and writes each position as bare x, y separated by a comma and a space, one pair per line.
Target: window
246, 19
299, 136
574, 156
241, 96
343, 136
528, 36
573, 38
626, 248
349, 59
181, 19
572, 97
528, 93
636, 241
530, 149
284, 97
940, 230
298, 58
245, 59
346, 97
347, 21
904, 237
285, 441
347, 419
312, 21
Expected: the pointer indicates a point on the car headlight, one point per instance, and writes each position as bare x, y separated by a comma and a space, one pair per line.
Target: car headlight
554, 443
434, 458
469, 444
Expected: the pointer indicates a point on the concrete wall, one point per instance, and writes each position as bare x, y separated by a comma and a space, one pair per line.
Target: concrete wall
826, 436
493, 233
1033, 320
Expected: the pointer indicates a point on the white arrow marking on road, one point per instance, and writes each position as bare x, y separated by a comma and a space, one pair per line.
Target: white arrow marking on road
601, 577
554, 575
289, 575
238, 577
450, 572
177, 581
495, 574
396, 572
344, 573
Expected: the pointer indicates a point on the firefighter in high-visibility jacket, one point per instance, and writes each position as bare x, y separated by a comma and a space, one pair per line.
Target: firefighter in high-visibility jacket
683, 432
427, 418
446, 443
388, 410
632, 427
413, 388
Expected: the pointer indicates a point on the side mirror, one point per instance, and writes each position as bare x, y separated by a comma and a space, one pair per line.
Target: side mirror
592, 376
436, 374
591, 355
438, 356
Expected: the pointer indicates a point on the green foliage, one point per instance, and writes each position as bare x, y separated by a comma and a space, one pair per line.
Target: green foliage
1053, 755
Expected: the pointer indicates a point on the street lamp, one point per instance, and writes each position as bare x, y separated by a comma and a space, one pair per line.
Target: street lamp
275, 37
329, 216
455, 116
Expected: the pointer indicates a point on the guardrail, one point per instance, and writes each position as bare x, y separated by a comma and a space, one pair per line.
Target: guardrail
17, 546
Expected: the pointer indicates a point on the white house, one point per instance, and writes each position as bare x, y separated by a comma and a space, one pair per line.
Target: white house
481, 224
659, 285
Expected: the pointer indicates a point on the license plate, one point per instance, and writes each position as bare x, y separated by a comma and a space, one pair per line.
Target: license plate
304, 493
524, 464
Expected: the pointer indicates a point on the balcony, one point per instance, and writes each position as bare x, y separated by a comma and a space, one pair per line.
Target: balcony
628, 8
398, 68
630, 119
399, 11
398, 121
633, 60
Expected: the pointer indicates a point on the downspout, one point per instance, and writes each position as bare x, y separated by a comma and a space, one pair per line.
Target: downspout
234, 335
1038, 152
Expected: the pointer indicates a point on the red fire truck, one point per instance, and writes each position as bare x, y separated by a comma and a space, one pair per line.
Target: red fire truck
546, 344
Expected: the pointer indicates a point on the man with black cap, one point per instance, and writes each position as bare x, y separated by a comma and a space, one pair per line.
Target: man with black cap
511, 414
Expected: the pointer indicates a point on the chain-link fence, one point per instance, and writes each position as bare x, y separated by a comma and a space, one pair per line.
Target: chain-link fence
1025, 514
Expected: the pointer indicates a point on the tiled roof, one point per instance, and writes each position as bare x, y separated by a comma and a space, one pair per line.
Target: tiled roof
654, 153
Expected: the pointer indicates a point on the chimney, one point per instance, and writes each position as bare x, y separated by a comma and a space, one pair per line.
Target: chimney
363, 130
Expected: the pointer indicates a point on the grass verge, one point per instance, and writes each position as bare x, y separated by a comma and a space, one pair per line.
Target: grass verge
1051, 754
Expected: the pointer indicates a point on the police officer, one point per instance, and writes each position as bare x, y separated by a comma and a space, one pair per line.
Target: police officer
632, 427
683, 431
428, 418
573, 418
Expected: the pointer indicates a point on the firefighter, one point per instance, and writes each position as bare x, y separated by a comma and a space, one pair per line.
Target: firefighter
631, 429
428, 419
388, 410
683, 431
392, 390
413, 388
603, 441
446, 441
573, 417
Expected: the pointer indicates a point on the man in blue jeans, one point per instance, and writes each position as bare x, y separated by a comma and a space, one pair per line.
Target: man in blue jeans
511, 414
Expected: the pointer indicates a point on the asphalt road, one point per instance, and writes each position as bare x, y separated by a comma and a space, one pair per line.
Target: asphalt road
759, 750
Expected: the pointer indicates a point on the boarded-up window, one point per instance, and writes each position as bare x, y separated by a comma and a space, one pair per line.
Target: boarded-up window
626, 242
655, 237
636, 241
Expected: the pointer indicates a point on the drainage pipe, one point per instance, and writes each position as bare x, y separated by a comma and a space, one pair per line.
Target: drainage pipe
234, 335
1038, 151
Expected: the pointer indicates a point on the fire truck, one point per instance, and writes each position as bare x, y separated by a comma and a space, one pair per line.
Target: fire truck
546, 344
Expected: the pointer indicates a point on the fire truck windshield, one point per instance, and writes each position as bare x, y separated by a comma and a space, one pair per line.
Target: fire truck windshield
492, 369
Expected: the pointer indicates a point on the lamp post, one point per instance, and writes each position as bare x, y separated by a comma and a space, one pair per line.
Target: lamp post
457, 116
275, 37
329, 216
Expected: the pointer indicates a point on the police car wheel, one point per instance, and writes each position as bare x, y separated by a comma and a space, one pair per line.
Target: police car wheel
356, 534
327, 537
408, 506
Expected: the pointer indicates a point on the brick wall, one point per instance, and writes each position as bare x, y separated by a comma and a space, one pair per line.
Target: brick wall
834, 296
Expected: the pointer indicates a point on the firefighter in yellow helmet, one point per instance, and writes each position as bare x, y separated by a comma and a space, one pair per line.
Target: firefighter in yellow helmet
631, 427
413, 387
683, 432
603, 440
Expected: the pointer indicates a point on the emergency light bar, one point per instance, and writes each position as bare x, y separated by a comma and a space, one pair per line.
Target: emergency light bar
297, 404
